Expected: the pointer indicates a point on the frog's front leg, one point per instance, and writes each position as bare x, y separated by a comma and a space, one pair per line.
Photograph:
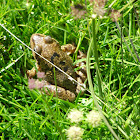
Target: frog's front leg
58, 91
31, 73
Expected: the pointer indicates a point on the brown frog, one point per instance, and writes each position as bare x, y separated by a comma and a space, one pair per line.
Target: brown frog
50, 49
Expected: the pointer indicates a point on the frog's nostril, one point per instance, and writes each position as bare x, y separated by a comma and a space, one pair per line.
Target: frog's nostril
37, 49
48, 39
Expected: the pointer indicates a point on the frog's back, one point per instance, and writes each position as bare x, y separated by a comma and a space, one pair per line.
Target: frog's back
53, 53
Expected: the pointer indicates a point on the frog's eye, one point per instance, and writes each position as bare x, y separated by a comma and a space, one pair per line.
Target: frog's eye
38, 49
48, 39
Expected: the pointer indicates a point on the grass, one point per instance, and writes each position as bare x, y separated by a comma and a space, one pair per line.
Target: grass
26, 114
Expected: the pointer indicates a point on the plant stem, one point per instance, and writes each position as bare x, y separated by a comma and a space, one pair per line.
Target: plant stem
95, 51
92, 43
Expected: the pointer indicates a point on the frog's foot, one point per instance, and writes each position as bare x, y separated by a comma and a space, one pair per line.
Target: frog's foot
31, 73
68, 48
58, 91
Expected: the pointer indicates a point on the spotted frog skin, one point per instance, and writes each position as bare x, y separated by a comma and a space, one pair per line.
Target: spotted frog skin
50, 49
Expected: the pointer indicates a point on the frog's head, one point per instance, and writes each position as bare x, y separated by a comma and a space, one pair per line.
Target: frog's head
39, 42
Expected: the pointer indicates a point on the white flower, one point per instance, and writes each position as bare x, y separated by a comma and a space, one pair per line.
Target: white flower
94, 15
75, 116
94, 118
75, 133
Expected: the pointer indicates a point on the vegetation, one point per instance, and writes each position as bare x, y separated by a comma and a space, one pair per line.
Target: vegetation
112, 44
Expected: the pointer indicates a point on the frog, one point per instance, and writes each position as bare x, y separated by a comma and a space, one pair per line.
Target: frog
54, 80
